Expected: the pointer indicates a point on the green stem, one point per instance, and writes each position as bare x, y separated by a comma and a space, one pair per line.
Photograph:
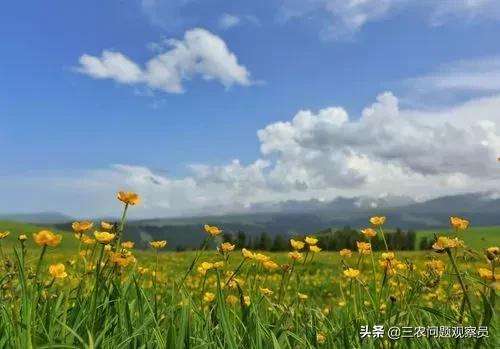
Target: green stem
122, 227
197, 256
461, 281
39, 264
383, 238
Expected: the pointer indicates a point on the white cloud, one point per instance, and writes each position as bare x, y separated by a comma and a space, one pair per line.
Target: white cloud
227, 21
473, 75
468, 10
344, 18
316, 154
199, 53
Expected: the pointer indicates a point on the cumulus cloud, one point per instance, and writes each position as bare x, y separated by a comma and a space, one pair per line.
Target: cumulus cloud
199, 53
346, 17
315, 154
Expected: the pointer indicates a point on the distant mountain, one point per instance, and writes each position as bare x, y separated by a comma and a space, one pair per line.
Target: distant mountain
39, 217
299, 217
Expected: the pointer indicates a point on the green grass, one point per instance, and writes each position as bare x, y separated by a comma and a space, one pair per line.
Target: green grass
119, 307
475, 237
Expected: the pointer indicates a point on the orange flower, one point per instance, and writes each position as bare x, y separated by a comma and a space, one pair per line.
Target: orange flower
270, 265
444, 242
81, 227
47, 238
377, 220
226, 247
212, 230
459, 223
58, 271
128, 245
487, 274
122, 259
128, 198
107, 226
368, 233
364, 247
295, 255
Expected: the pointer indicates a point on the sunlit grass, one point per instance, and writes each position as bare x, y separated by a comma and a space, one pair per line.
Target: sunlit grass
103, 294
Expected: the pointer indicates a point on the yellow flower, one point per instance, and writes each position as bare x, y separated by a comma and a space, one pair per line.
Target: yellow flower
4, 234
377, 220
368, 233
142, 270
87, 240
345, 252
261, 257
47, 238
81, 227
364, 247
314, 249
247, 254
208, 297
297, 245
158, 244
22, 237
218, 265
459, 223
444, 242
226, 247
122, 259
128, 198
492, 252
231, 299
265, 291
206, 265
107, 226
487, 274
310, 240
295, 255
436, 265
302, 296
246, 300
351, 273
388, 256
128, 245
103, 237
212, 230
320, 338
270, 265
58, 271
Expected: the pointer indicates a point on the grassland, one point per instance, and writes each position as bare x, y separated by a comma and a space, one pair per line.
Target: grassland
111, 297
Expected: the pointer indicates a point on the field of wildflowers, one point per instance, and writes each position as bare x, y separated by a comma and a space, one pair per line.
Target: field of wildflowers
106, 295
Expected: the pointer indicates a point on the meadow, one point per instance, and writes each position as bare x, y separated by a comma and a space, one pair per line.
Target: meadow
90, 289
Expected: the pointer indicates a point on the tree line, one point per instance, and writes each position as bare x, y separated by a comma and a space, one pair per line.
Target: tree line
329, 240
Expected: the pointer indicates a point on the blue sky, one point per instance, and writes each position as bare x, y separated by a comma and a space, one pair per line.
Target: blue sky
64, 120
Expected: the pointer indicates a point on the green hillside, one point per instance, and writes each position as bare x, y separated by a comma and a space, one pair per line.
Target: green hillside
17, 228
